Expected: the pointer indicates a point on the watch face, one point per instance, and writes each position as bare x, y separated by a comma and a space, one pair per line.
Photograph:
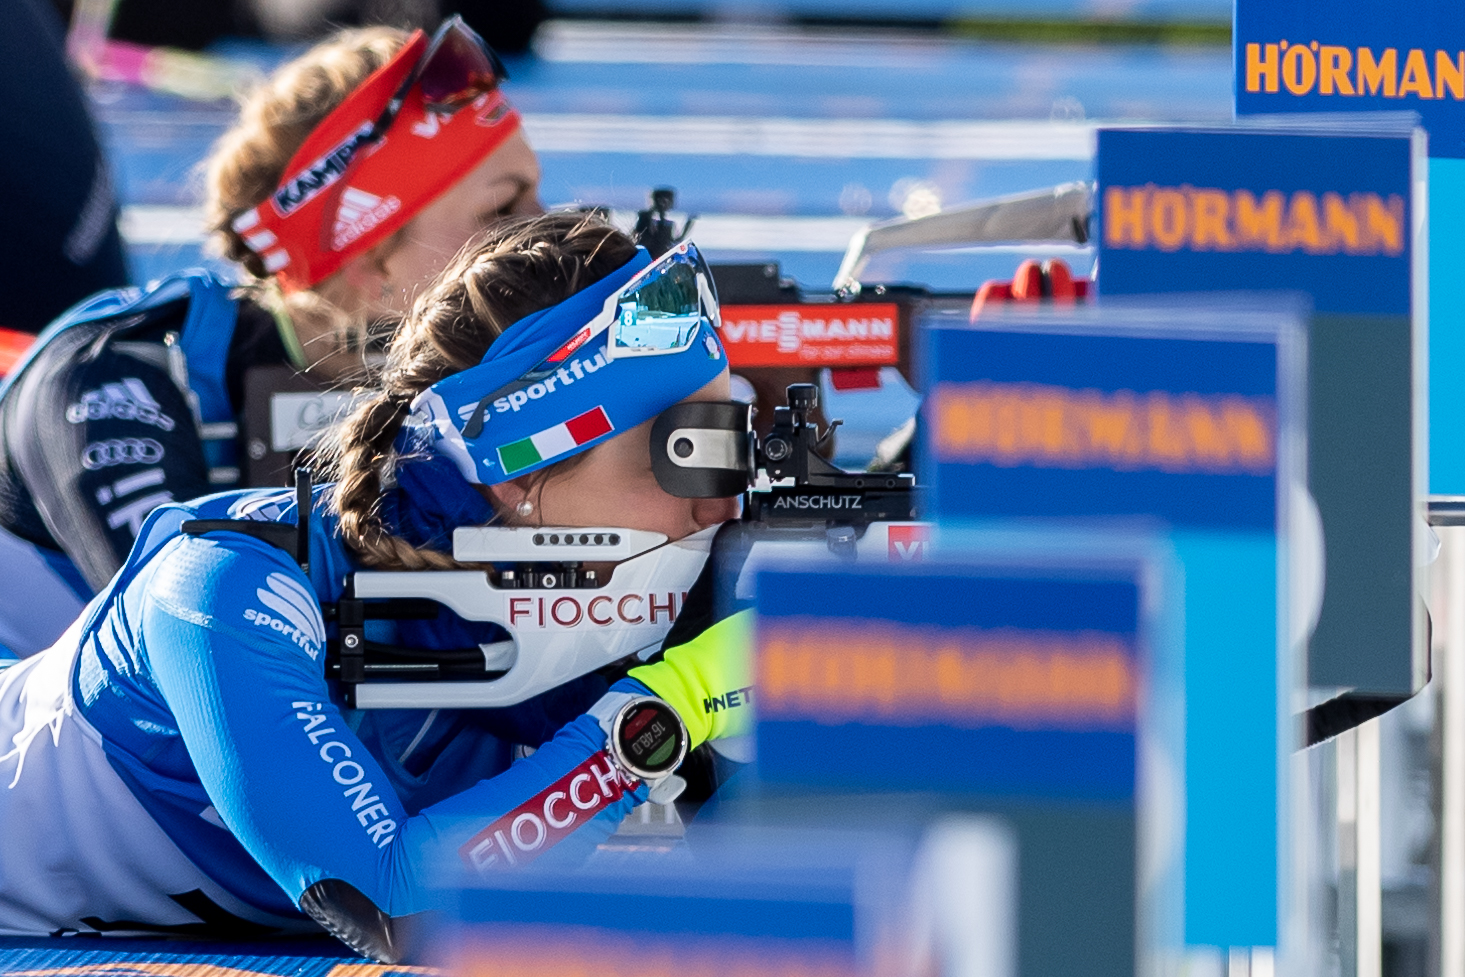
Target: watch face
650, 738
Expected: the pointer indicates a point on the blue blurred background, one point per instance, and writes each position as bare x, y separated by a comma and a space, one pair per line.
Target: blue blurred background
784, 126
783, 133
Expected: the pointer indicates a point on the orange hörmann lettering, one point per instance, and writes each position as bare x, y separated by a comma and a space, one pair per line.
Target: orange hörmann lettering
1187, 218
1011, 424
1333, 69
895, 674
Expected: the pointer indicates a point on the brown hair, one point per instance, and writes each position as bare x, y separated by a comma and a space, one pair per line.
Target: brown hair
517, 268
248, 161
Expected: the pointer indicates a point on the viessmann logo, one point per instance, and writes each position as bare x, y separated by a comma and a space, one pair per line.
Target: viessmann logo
908, 544
854, 334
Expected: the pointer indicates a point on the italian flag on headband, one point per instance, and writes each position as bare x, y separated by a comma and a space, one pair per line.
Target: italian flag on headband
546, 389
554, 441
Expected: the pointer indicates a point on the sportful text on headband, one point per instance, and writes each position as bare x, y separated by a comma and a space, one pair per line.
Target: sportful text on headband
562, 380
381, 156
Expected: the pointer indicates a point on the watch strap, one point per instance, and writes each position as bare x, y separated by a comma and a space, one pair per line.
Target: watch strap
662, 790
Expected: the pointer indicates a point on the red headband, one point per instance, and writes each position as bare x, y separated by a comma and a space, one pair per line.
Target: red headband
420, 156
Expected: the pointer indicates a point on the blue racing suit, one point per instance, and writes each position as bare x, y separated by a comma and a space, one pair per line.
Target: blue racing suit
200, 671
133, 398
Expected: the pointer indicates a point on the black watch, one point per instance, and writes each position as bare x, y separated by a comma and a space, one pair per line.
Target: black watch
647, 739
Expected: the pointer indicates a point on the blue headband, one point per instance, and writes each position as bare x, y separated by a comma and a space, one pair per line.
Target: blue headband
545, 389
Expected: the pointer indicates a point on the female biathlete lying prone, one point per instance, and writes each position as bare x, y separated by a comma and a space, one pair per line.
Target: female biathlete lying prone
181, 753
351, 178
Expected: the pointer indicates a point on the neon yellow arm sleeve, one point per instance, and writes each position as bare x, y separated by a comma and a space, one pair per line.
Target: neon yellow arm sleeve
708, 680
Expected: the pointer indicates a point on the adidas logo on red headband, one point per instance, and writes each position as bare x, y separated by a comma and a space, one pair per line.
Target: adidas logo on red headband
387, 180
360, 213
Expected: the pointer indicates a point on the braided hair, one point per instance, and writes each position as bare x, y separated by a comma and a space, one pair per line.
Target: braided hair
517, 268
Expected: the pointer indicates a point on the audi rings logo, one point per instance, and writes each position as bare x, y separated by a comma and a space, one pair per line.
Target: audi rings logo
121, 451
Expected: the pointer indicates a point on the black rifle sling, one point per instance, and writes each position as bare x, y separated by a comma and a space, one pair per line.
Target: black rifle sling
294, 540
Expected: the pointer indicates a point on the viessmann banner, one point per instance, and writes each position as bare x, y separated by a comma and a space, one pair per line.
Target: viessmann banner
854, 334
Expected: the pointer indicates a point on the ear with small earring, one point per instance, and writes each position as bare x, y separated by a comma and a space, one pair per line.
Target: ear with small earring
512, 499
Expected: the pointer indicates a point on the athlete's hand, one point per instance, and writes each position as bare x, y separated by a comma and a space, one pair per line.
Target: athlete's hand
708, 680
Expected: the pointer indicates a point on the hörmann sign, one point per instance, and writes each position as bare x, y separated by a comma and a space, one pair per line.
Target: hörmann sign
1347, 56
1354, 56
872, 681
1012, 424
1333, 214
1034, 424
1092, 423
1008, 687
1223, 210
1187, 218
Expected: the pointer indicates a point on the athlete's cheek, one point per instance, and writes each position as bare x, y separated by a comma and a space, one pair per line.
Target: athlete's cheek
711, 512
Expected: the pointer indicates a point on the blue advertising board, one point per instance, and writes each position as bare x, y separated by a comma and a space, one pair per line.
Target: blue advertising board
1335, 217
1030, 680
1184, 419
1008, 684
1258, 210
47, 956
1308, 56
750, 899
1104, 425
1355, 56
